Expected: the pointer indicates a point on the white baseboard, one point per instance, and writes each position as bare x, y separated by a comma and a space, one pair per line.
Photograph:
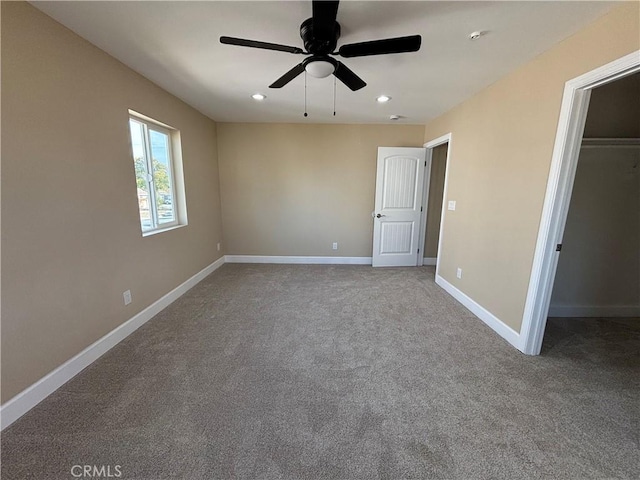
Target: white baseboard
429, 261
31, 396
298, 260
594, 311
501, 328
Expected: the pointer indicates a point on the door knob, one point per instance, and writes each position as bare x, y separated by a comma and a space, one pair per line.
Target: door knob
380, 215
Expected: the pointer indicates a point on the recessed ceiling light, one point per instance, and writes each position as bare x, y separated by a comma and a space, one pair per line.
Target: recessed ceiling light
383, 98
258, 96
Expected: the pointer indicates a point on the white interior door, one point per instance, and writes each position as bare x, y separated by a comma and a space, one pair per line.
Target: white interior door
398, 209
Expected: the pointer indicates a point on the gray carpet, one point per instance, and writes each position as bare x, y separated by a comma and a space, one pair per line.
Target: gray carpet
339, 372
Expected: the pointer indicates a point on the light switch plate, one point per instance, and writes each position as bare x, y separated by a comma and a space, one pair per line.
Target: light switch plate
451, 205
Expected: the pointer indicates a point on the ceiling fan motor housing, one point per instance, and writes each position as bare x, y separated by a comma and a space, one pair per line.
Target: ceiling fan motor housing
320, 42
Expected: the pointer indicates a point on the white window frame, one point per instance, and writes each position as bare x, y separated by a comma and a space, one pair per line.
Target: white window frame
175, 174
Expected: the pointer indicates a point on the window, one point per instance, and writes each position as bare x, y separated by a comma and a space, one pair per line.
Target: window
156, 155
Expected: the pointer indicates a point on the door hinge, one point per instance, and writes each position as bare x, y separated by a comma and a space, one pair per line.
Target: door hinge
420, 208
418, 250
425, 163
558, 247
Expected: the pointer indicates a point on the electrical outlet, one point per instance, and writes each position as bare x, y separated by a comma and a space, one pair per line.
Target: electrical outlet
451, 205
218, 246
459, 273
127, 297
335, 245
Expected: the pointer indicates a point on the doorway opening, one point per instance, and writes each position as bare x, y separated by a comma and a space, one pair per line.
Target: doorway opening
560, 185
438, 153
597, 281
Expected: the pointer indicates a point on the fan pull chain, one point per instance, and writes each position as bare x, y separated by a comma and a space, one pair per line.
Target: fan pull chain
305, 93
334, 96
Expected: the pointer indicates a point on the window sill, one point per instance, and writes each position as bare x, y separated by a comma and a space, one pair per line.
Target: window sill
162, 230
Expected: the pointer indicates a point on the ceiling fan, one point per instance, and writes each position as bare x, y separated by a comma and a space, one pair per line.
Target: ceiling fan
320, 35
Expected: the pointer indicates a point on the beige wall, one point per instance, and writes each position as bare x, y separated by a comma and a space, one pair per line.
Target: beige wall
434, 208
500, 155
600, 261
294, 189
70, 234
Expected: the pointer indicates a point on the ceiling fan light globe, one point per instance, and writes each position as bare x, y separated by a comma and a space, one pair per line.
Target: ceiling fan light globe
320, 68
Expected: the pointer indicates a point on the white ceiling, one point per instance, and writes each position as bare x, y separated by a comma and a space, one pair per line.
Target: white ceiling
175, 44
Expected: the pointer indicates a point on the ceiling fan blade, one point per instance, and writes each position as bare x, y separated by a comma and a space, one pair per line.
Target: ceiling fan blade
287, 77
350, 79
324, 16
242, 42
381, 47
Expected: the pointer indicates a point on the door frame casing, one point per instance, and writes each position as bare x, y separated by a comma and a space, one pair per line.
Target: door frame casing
429, 146
564, 162
424, 205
